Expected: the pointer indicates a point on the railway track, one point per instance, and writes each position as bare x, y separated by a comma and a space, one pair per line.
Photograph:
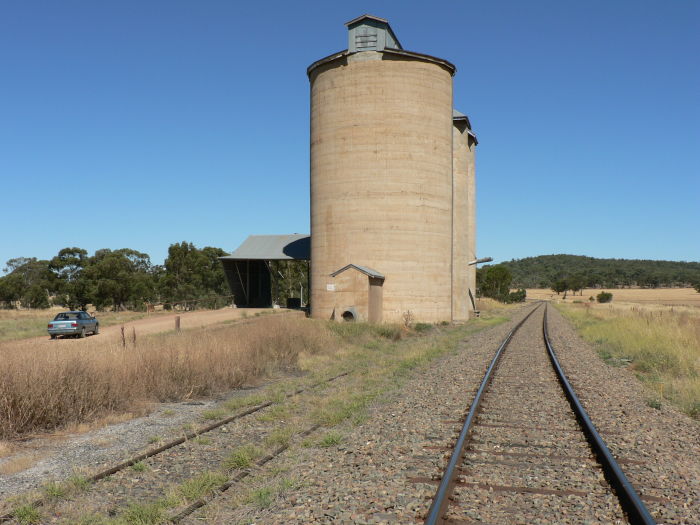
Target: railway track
526, 441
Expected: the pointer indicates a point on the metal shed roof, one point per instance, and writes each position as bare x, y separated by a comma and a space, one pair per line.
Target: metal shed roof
296, 246
367, 271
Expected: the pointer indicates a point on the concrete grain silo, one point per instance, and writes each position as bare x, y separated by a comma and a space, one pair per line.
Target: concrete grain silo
463, 218
382, 184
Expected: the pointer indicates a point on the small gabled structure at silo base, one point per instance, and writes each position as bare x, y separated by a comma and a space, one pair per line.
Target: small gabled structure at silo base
357, 298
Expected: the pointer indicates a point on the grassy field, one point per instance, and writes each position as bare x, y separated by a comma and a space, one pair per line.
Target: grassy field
648, 296
660, 343
20, 324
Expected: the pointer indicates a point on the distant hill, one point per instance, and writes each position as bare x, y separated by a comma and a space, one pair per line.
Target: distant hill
542, 271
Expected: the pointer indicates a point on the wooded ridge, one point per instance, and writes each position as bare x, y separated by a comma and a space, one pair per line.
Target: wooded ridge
543, 270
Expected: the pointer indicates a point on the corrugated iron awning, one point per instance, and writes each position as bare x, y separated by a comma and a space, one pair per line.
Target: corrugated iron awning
295, 246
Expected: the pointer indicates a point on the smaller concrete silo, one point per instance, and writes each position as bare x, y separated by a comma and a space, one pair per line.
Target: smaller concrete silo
463, 218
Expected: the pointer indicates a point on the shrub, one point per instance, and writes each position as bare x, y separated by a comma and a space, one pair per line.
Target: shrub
422, 327
392, 332
517, 296
604, 297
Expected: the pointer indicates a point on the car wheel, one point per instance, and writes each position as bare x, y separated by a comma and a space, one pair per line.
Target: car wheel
96, 330
53, 336
82, 333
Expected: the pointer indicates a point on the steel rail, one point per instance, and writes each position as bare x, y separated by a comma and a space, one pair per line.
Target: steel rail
630, 501
441, 500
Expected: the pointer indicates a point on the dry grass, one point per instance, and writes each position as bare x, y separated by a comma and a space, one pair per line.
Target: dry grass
660, 343
650, 296
47, 389
18, 464
380, 361
20, 324
6, 448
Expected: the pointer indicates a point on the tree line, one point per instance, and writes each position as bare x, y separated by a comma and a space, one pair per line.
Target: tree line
577, 272
116, 279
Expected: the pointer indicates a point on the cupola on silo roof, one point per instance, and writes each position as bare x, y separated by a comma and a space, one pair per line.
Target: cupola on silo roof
370, 33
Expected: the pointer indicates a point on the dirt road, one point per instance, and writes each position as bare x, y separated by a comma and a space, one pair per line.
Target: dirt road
152, 324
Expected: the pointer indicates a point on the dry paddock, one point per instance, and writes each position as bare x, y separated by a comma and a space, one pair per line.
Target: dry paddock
687, 297
365, 473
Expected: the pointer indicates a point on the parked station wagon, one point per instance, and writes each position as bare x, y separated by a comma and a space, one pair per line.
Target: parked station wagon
73, 323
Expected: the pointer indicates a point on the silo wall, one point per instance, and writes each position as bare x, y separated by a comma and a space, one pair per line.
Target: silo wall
464, 222
381, 180
461, 304
471, 214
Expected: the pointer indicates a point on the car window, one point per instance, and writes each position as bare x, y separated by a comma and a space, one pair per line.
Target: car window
82, 315
65, 316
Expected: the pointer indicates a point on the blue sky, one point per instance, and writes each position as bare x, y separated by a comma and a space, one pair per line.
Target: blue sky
140, 124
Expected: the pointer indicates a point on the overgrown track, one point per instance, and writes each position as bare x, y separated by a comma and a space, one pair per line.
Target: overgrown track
189, 436
527, 441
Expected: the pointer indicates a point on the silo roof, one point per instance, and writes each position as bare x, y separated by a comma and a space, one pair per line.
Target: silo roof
456, 115
296, 246
394, 48
366, 15
449, 66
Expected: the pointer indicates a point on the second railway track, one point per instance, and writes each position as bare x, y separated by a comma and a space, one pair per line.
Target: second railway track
167, 458
522, 446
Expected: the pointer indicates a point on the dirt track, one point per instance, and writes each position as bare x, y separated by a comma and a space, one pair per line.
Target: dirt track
148, 325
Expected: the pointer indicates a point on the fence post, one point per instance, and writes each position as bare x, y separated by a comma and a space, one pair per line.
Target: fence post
133, 335
177, 323
123, 337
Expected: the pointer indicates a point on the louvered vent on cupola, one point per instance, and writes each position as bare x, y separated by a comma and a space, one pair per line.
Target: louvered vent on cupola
370, 33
